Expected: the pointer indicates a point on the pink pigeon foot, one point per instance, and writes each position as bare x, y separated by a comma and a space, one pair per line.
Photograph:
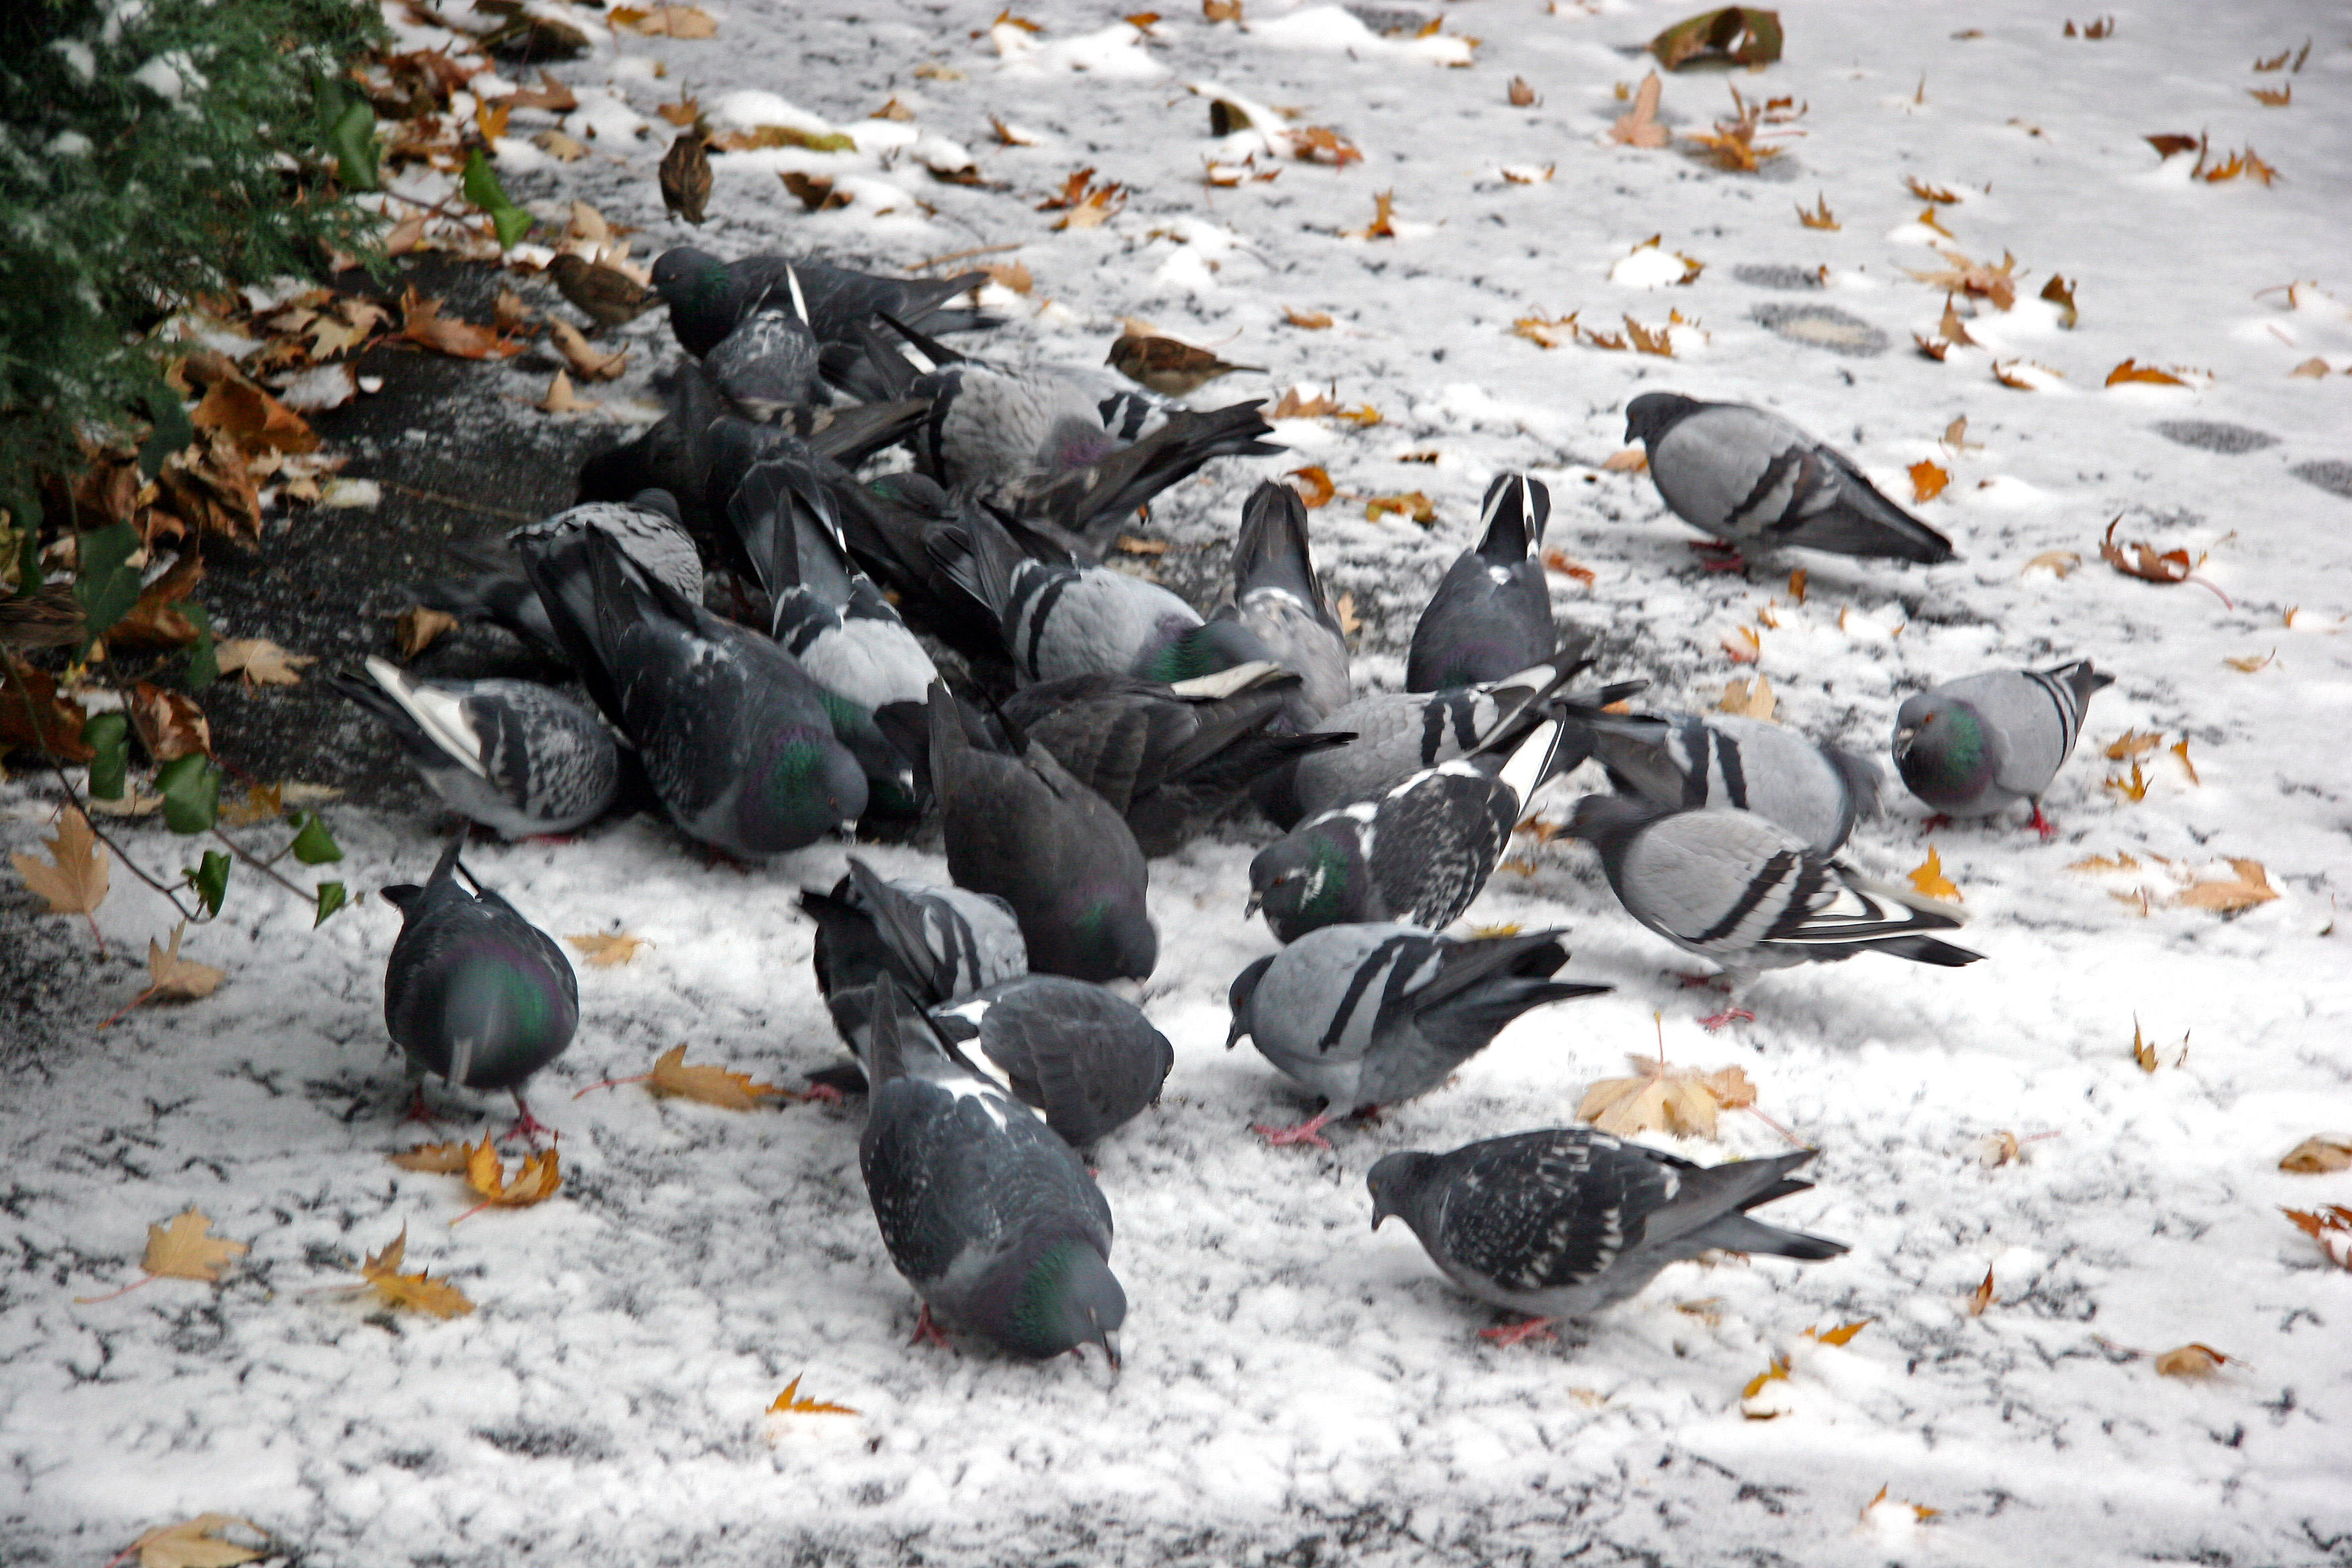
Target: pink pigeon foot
823, 1092
928, 1332
1715, 555
2042, 825
420, 1112
1717, 1021
526, 1125
1519, 1333
1305, 1133
1936, 824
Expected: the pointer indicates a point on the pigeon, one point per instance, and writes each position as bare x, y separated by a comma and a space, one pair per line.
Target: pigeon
1747, 476
709, 299
736, 739
1169, 759
1690, 760
1399, 734
1367, 1015
1167, 367
646, 529
473, 991
1086, 1058
516, 757
768, 363
1978, 745
1491, 614
606, 295
941, 944
988, 1214
1420, 853
1745, 892
1020, 827
1277, 595
1564, 1222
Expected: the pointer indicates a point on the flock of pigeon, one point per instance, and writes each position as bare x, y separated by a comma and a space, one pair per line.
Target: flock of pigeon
1099, 720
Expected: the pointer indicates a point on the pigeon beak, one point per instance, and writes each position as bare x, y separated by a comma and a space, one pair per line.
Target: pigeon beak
1902, 739
1110, 1341
1234, 1035
1255, 899
849, 828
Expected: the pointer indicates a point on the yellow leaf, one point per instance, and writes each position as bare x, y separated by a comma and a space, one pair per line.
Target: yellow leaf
196, 1543
1383, 207
262, 662
667, 21
2181, 749
2060, 293
1310, 320
440, 1159
1929, 877
2132, 370
559, 399
792, 1401
1778, 1372
1315, 487
2314, 368
1557, 560
2120, 862
418, 627
74, 878
2133, 743
2134, 789
1820, 216
1797, 581
711, 1085
2014, 372
607, 950
1483, 933
1928, 192
1664, 1099
1411, 504
438, 1298
1928, 480
183, 1250
2250, 887
1986, 279
2319, 1155
1981, 1296
536, 1179
1748, 698
1343, 609
1013, 275
2250, 665
1632, 460
2191, 1361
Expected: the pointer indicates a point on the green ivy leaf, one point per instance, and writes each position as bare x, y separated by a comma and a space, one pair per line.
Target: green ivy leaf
210, 879
203, 664
191, 787
347, 132
482, 189
108, 736
313, 844
330, 899
106, 585
171, 431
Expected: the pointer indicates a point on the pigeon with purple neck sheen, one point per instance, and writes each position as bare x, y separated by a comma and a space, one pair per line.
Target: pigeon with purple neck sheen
1977, 745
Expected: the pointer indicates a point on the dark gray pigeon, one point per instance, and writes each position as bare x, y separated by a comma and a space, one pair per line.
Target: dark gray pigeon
986, 1211
647, 529
768, 365
1169, 759
1747, 476
516, 757
1367, 1015
1689, 760
1978, 745
1420, 853
474, 992
939, 943
1565, 1222
1745, 892
1277, 595
1020, 827
1491, 614
736, 739
708, 298
1085, 1056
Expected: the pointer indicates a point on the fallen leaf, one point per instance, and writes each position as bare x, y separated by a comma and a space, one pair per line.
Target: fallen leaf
1752, 699
1929, 877
196, 1543
1632, 460
2244, 164
171, 978
683, 112
2060, 293
2274, 97
436, 1297
1290, 406
261, 661
1012, 135
2062, 562
559, 399
255, 421
1557, 560
1733, 142
2250, 887
2319, 1155
1659, 1098
1321, 144
420, 323
1928, 480
1310, 320
1820, 216
2331, 1227
814, 191
2314, 368
1521, 95
2141, 560
1315, 487
1745, 35
2181, 749
536, 1179
759, 138
2133, 743
1797, 581
665, 21
2117, 862
74, 878
2132, 370
1411, 504
1545, 331
792, 1401
1640, 127
1221, 10
1747, 649
186, 1250
1776, 1371
1995, 1150
1343, 610
1527, 174
436, 1159
1384, 206
1013, 275
2134, 789
1956, 437
2191, 1361
1933, 348
709, 1085
2251, 663
1928, 192
1981, 1296
607, 950
416, 628
1984, 279
585, 360
2172, 145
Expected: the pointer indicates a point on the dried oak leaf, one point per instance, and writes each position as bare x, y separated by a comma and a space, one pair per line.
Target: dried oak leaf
1928, 877
1820, 216
436, 1297
195, 1543
2319, 1154
2250, 887
2191, 1361
261, 661
1343, 610
74, 878
1752, 699
1996, 283
1383, 208
2133, 743
1939, 195
1321, 144
2060, 293
606, 950
793, 1402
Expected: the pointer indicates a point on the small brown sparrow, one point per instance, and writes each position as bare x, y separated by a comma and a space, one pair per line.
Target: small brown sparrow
1165, 366
606, 295
685, 177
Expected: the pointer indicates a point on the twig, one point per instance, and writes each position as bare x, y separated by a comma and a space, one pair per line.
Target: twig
964, 255
264, 866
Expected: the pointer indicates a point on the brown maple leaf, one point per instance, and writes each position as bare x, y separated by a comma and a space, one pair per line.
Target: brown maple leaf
1820, 216
585, 361
261, 661
421, 322
1681, 1100
416, 1291
709, 1085
1748, 698
74, 878
185, 1249
536, 1179
2250, 887
438, 1159
1315, 487
2191, 1361
2319, 1154
1411, 504
1983, 278
1383, 208
606, 950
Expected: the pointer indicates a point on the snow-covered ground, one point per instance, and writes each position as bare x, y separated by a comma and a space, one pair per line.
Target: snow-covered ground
1298, 1388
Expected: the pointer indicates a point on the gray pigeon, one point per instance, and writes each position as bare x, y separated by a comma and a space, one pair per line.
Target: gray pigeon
473, 991
1491, 614
647, 529
1747, 893
1978, 745
1419, 854
1020, 827
768, 365
737, 741
1367, 1015
1085, 1056
518, 758
989, 1216
1277, 595
1564, 1222
1398, 733
1690, 760
939, 943
1747, 476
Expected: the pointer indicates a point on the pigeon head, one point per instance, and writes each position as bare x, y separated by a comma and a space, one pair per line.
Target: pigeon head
800, 786
1051, 1293
1110, 935
1609, 822
701, 294
1302, 881
657, 501
1651, 414
1944, 751
1206, 650
1514, 514
1243, 997
913, 491
1395, 1181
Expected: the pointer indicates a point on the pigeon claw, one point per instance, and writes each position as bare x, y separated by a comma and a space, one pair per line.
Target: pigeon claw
1715, 555
1939, 822
2042, 825
526, 1125
1729, 1015
1509, 1334
928, 1332
1310, 1131
825, 1092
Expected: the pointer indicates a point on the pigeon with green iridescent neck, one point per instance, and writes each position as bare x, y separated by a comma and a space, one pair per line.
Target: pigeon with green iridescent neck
984, 1210
1977, 745
1491, 614
473, 991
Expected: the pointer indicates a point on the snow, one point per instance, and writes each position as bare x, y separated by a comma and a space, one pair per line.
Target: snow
1291, 1375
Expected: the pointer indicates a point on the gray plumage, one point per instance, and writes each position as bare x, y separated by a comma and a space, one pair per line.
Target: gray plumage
1749, 895
1421, 853
1690, 760
939, 943
1084, 1058
1750, 477
517, 757
1367, 1015
984, 1210
1277, 595
473, 991
1979, 744
1491, 614
768, 363
1565, 1222
646, 529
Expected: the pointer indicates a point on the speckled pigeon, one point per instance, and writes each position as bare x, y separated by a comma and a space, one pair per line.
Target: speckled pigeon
1367, 1015
1567, 1221
1420, 853
646, 529
517, 757
1745, 892
1747, 476
1491, 614
1086, 1058
736, 739
941, 944
473, 991
768, 365
1689, 759
1277, 595
987, 1213
1978, 745
1020, 827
